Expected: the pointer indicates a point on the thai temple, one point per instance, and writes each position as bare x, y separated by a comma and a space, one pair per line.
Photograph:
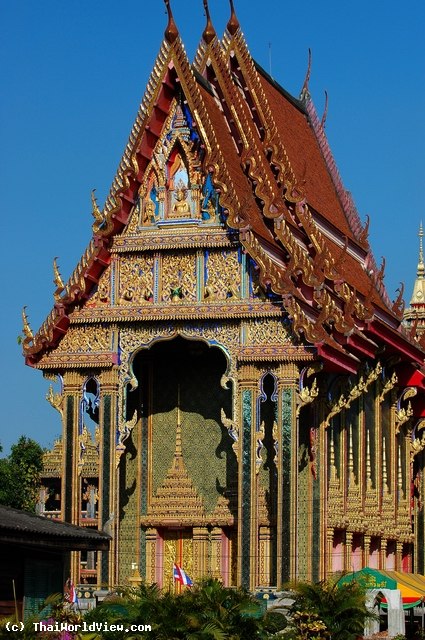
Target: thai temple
239, 394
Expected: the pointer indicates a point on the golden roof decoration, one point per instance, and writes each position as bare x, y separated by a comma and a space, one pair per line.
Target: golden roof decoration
233, 24
57, 280
209, 32
171, 31
29, 336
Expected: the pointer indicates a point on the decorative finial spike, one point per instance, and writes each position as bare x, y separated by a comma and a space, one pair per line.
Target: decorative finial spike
98, 216
26, 326
171, 32
57, 280
209, 31
233, 24
365, 231
305, 94
325, 112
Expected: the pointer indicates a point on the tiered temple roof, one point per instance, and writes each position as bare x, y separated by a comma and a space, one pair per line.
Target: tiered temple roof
268, 157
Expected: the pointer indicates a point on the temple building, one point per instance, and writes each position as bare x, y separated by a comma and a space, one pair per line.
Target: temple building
238, 393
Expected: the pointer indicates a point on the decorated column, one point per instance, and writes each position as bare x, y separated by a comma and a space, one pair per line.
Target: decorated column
287, 475
247, 511
71, 494
108, 474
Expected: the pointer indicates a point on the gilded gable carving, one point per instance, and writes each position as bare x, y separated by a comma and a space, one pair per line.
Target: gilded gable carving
178, 277
136, 279
267, 331
85, 340
222, 276
102, 295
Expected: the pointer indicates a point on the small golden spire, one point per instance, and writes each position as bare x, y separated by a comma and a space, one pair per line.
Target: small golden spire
26, 326
368, 465
171, 32
384, 469
421, 265
351, 457
57, 279
209, 31
418, 296
400, 475
233, 24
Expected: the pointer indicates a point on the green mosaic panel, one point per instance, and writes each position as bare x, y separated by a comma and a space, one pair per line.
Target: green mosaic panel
316, 511
200, 442
144, 493
142, 551
246, 485
206, 445
286, 482
106, 483
69, 458
267, 475
128, 508
303, 529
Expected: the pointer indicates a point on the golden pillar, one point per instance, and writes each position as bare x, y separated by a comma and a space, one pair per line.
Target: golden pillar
216, 553
200, 552
109, 507
151, 540
366, 550
348, 551
399, 557
264, 560
383, 554
71, 480
329, 551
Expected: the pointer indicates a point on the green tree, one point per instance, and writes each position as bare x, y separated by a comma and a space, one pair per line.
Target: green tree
341, 607
20, 474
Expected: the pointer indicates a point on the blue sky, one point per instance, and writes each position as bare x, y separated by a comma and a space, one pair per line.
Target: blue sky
72, 76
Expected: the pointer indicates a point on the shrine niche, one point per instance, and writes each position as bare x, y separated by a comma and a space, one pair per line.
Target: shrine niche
174, 190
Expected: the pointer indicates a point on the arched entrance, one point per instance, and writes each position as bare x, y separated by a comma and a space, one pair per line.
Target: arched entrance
188, 471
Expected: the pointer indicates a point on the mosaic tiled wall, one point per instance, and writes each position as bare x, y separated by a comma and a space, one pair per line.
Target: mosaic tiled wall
246, 485
286, 482
194, 382
304, 499
129, 527
69, 458
106, 481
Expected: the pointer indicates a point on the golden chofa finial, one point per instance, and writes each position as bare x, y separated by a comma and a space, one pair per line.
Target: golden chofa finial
171, 32
57, 280
305, 94
98, 216
29, 336
233, 24
209, 31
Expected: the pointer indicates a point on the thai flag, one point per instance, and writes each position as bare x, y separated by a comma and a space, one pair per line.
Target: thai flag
181, 576
70, 593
